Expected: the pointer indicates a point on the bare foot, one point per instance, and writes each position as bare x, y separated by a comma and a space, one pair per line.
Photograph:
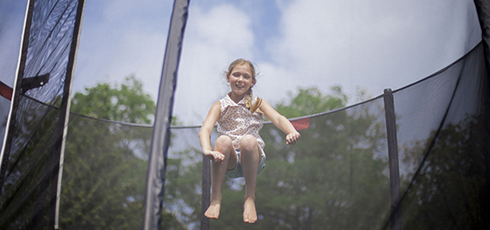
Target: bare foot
249, 212
213, 210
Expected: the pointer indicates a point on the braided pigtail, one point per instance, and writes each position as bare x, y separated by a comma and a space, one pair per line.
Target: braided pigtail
255, 106
248, 99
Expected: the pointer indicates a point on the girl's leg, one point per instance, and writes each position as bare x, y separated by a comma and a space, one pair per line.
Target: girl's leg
223, 145
249, 158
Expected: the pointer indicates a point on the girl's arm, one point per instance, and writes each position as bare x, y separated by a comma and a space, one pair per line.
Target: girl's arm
205, 132
280, 122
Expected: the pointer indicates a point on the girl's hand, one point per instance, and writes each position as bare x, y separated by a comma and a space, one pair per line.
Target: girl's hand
292, 138
216, 156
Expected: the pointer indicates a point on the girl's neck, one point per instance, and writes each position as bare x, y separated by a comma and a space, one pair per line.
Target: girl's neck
236, 98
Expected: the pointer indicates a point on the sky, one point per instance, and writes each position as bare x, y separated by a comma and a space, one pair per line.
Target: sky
356, 44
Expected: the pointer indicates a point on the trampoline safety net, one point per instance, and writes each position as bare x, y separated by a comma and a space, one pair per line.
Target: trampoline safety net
336, 177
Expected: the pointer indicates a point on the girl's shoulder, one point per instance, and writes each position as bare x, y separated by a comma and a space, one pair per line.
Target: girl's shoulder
217, 104
226, 101
216, 108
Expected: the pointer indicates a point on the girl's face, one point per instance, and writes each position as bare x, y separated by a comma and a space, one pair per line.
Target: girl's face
241, 80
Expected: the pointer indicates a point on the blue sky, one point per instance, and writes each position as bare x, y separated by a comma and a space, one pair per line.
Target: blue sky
368, 44
11, 23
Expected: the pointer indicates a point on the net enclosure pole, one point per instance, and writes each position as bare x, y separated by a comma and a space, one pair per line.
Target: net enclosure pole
396, 213
163, 116
66, 103
206, 196
483, 11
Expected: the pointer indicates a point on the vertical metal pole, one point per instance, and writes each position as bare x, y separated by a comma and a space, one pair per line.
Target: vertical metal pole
483, 11
206, 185
396, 213
66, 102
163, 116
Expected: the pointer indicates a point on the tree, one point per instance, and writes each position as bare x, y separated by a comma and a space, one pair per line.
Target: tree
311, 101
451, 189
121, 102
106, 163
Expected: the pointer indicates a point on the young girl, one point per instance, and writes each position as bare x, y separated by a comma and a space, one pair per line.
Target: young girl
238, 151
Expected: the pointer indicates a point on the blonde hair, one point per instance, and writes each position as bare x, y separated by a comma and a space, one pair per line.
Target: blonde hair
248, 99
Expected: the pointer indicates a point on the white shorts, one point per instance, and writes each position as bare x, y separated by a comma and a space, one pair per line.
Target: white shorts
238, 170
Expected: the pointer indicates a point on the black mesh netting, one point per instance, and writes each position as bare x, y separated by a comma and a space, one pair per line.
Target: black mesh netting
31, 160
443, 134
336, 177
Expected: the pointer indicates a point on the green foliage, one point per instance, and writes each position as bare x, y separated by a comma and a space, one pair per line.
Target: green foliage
104, 176
122, 102
311, 101
451, 190
105, 167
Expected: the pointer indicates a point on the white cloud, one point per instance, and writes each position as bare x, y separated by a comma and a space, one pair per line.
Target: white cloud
120, 38
212, 40
371, 44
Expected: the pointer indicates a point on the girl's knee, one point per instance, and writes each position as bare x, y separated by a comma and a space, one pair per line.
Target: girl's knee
248, 143
223, 142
